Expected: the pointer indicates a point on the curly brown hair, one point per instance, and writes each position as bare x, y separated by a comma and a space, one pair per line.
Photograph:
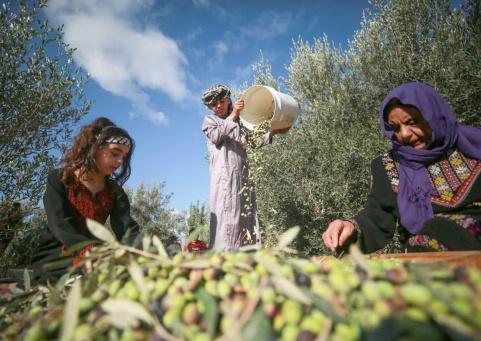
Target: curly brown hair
81, 155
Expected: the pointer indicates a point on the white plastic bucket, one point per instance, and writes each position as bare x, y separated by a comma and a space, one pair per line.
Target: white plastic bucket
263, 103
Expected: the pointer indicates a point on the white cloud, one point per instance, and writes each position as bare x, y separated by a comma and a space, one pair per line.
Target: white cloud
201, 3
268, 25
212, 7
124, 59
220, 50
155, 116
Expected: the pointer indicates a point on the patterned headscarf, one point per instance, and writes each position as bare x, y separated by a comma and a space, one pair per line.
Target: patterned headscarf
114, 134
215, 93
118, 140
413, 197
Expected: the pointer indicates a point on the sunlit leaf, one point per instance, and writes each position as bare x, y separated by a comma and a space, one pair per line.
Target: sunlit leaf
200, 263
119, 253
120, 306
122, 320
138, 277
71, 312
146, 241
288, 237
101, 232
26, 280
271, 266
290, 289
160, 247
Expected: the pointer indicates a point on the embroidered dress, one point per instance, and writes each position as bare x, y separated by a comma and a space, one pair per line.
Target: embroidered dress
455, 198
432, 193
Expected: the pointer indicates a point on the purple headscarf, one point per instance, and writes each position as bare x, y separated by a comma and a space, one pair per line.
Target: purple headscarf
413, 198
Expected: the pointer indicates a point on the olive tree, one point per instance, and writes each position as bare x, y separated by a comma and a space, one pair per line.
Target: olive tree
197, 221
41, 99
150, 208
321, 169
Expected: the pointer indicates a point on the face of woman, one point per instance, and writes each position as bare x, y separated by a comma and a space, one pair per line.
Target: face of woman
409, 127
109, 157
220, 107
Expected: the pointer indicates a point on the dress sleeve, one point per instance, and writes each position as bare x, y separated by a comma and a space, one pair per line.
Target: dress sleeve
377, 220
218, 130
59, 214
267, 139
120, 219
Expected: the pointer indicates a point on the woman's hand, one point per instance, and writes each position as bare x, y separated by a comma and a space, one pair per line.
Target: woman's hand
238, 106
337, 233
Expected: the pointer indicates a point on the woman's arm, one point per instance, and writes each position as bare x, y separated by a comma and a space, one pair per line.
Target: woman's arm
59, 215
269, 135
218, 130
373, 226
377, 221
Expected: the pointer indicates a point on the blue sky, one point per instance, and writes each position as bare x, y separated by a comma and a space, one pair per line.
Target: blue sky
149, 61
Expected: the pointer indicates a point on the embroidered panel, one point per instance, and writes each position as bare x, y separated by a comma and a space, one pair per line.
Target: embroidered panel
469, 223
431, 244
451, 178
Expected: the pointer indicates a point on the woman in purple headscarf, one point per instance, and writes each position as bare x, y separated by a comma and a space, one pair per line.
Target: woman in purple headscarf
429, 184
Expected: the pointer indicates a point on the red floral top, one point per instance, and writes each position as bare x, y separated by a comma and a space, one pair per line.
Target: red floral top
197, 245
87, 205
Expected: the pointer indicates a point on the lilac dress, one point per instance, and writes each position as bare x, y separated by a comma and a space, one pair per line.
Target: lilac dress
232, 225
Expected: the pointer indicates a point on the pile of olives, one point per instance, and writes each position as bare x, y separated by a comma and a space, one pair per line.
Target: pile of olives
257, 294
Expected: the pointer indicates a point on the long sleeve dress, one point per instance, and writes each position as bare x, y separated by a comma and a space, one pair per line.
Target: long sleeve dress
233, 217
67, 208
455, 198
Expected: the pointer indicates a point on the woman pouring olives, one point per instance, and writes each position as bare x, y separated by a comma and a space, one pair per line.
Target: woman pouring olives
230, 226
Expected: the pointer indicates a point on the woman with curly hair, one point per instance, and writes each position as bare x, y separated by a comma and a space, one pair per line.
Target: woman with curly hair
87, 185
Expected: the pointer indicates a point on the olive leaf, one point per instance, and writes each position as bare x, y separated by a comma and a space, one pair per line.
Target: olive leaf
101, 232
160, 247
54, 297
72, 308
211, 311
129, 308
258, 327
288, 237
197, 264
138, 277
146, 240
291, 290
26, 279
271, 266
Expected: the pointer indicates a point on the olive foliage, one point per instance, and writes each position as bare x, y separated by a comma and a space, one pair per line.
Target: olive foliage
320, 170
197, 221
149, 206
41, 99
